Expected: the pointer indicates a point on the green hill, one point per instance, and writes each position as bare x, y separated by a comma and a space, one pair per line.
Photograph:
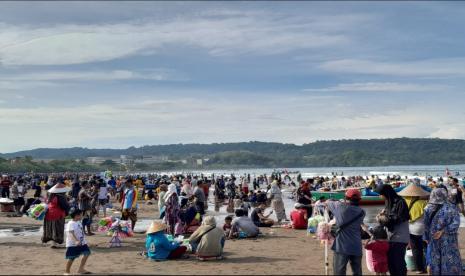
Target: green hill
359, 152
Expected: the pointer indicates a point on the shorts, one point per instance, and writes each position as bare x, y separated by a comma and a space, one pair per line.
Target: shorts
74, 252
19, 201
126, 214
103, 201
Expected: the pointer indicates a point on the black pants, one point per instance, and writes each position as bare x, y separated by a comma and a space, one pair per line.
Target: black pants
396, 258
340, 264
309, 211
6, 192
416, 243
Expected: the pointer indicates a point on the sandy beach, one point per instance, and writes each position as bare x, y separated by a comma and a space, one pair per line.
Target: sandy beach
279, 251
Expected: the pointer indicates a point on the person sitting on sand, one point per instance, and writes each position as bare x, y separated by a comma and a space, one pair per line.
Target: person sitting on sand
261, 197
227, 225
208, 240
299, 217
158, 246
243, 226
258, 217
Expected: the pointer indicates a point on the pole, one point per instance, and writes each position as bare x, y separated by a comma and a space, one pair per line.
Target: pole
326, 258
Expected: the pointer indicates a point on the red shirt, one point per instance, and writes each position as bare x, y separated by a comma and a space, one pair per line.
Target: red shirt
298, 218
379, 258
54, 211
5, 183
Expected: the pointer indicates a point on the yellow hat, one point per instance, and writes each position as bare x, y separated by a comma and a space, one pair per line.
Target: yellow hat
156, 227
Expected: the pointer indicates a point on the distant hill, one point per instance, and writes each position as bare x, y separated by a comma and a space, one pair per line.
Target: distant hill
357, 152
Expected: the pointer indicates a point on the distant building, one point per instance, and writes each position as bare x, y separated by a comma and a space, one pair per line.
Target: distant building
199, 162
45, 160
99, 160
151, 159
126, 160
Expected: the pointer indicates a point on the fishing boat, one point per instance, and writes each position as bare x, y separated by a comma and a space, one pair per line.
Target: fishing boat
340, 194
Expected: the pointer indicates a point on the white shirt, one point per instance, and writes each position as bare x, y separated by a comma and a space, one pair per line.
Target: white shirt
76, 227
103, 192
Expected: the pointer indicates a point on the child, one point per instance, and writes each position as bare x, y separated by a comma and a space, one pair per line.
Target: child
227, 225
76, 244
320, 206
377, 249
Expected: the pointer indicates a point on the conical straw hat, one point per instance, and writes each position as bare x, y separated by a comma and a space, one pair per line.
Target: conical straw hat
59, 188
156, 227
413, 190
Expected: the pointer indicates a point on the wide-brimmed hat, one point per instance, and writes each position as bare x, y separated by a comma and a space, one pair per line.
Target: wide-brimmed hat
59, 189
156, 226
413, 190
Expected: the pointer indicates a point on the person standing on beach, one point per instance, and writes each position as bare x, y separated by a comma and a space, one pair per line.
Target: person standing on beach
442, 221
129, 203
457, 195
200, 199
161, 200
277, 201
415, 196
172, 209
54, 221
304, 196
347, 245
5, 185
18, 192
85, 205
395, 217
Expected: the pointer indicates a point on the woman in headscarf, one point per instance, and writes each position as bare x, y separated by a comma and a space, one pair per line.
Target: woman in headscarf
442, 221
277, 201
415, 196
208, 240
172, 208
395, 217
54, 221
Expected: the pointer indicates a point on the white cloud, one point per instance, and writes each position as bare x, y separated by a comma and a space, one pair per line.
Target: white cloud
428, 68
262, 34
164, 120
157, 75
380, 87
22, 85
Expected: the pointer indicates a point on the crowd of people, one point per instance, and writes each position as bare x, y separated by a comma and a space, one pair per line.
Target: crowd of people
425, 223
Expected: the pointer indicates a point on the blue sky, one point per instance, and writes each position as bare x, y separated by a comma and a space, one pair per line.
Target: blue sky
101, 74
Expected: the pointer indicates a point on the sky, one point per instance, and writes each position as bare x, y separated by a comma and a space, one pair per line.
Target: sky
121, 74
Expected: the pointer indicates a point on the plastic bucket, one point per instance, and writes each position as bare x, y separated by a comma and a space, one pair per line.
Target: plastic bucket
409, 261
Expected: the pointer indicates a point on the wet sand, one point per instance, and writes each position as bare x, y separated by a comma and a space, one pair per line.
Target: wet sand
279, 251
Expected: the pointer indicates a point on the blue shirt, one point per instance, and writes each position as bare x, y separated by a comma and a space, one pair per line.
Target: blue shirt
128, 198
158, 246
348, 241
112, 183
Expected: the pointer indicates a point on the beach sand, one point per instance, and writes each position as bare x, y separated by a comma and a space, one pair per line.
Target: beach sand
279, 251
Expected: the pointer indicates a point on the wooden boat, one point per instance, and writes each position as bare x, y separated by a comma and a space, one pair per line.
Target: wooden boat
338, 195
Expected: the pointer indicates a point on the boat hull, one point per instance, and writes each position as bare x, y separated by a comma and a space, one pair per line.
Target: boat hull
366, 200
